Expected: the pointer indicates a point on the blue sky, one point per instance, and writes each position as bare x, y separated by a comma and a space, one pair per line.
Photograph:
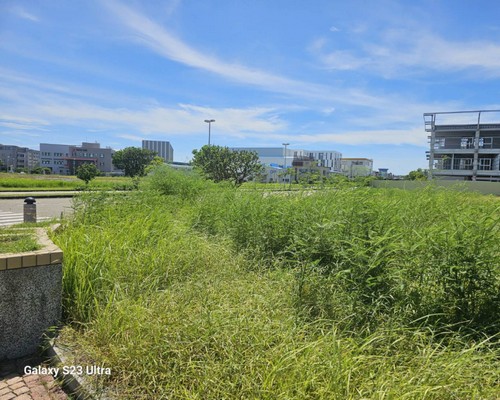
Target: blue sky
353, 76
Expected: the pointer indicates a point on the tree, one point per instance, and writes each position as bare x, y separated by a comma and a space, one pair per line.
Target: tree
417, 175
133, 160
86, 172
154, 163
41, 170
222, 164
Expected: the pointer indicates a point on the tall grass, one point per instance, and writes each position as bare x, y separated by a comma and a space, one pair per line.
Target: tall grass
9, 182
212, 293
397, 254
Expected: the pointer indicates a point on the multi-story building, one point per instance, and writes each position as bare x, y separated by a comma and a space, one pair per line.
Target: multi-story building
276, 159
64, 159
15, 157
464, 151
164, 149
307, 167
354, 167
326, 158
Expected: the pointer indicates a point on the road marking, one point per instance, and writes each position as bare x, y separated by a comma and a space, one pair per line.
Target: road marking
8, 218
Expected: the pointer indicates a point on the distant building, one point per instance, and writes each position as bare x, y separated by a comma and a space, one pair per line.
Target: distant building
307, 167
164, 149
275, 160
464, 151
326, 158
383, 173
354, 167
64, 159
14, 157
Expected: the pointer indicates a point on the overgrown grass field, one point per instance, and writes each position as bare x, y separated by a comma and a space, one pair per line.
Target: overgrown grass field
191, 290
20, 182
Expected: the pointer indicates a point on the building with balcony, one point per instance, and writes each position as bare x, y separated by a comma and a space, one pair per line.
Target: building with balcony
464, 145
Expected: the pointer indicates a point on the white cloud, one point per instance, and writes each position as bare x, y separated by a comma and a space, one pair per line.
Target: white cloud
134, 138
413, 136
164, 43
22, 13
181, 120
406, 51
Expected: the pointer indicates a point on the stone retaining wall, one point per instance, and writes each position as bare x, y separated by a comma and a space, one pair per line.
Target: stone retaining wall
30, 297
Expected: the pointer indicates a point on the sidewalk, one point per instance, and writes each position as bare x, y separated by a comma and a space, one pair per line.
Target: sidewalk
16, 384
38, 194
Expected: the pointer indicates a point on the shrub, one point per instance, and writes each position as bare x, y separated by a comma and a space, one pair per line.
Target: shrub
169, 181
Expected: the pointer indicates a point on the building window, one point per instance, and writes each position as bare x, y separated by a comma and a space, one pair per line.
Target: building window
439, 143
486, 142
462, 163
485, 164
467, 143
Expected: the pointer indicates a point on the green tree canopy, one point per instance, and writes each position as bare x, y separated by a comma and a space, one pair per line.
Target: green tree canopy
417, 175
86, 172
133, 160
222, 164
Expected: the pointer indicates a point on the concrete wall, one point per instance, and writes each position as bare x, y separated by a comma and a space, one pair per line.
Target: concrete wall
481, 187
30, 297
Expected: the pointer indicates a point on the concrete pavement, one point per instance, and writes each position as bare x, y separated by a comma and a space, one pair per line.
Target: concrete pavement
11, 210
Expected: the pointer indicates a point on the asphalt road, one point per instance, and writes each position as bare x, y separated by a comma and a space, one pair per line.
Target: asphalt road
45, 207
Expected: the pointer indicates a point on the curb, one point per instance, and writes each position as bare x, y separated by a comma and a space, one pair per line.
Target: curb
71, 384
76, 386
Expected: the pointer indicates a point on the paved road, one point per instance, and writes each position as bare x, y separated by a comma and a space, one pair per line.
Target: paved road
11, 210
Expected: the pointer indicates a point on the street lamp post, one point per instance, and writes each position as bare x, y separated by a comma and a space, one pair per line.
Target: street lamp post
209, 122
284, 164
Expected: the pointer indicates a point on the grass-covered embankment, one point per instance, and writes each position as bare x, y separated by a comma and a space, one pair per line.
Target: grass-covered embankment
192, 290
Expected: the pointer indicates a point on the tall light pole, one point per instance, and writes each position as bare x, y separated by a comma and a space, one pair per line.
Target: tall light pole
284, 164
209, 122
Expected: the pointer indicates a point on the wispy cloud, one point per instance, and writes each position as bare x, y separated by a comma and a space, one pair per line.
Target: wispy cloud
412, 136
406, 51
182, 119
22, 13
164, 43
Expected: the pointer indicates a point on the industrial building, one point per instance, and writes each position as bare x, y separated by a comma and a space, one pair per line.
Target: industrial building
164, 149
464, 145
